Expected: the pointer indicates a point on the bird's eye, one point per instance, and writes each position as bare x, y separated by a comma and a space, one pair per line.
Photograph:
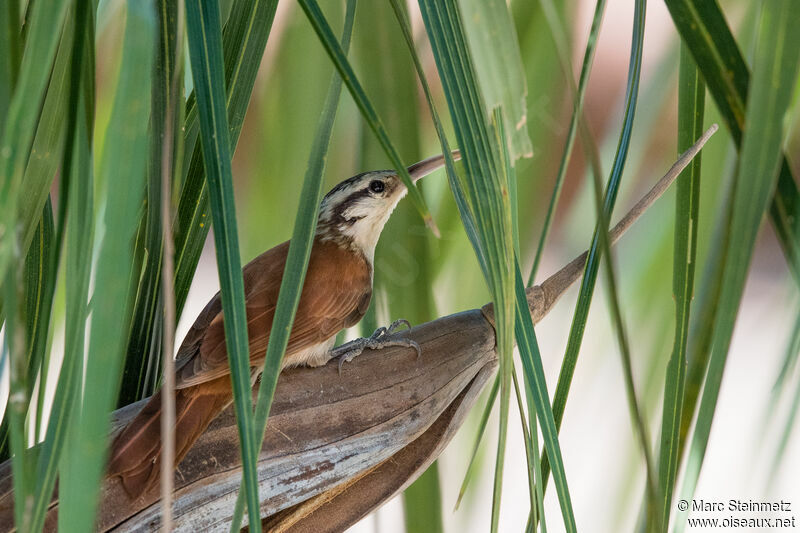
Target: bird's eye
376, 186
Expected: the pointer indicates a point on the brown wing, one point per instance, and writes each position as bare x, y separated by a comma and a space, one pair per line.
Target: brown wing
335, 295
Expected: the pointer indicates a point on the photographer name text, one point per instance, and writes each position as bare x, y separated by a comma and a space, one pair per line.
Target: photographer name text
741, 506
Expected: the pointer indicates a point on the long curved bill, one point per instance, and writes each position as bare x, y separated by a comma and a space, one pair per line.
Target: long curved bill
426, 166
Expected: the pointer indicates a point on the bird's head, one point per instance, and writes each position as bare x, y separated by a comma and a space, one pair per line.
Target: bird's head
354, 212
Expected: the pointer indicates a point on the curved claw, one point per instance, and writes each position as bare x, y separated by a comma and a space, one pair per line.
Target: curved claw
416, 346
396, 324
381, 338
380, 332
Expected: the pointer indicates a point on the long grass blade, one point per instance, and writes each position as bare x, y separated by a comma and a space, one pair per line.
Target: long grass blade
205, 52
639, 424
537, 467
484, 192
691, 107
531, 461
244, 40
39, 285
452, 177
593, 261
46, 151
76, 163
10, 54
20, 125
122, 167
473, 464
40, 282
14, 350
141, 373
404, 259
497, 132
339, 59
299, 252
701, 327
422, 503
790, 361
577, 114
776, 65
461, 202
60, 448
536, 514
703, 28
534, 372
493, 41
499, 465
78, 259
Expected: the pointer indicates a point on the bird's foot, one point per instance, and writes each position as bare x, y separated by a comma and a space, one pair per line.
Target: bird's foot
382, 338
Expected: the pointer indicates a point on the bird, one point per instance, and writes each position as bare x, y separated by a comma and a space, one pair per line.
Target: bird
336, 294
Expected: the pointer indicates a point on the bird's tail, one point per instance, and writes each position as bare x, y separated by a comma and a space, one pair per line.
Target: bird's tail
136, 451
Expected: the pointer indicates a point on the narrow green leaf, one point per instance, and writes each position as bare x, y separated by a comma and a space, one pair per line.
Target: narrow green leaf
792, 351
243, 42
73, 51
59, 445
21, 119
121, 173
205, 52
10, 52
452, 177
46, 151
141, 373
502, 436
484, 204
776, 66
791, 355
339, 58
691, 107
404, 262
294, 273
40, 281
473, 464
423, 504
531, 461
639, 424
703, 28
506, 370
701, 328
577, 114
537, 463
76, 198
39, 285
14, 350
78, 259
593, 261
493, 43
534, 373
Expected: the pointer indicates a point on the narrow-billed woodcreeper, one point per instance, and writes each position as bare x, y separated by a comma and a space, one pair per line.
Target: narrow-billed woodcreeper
335, 295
